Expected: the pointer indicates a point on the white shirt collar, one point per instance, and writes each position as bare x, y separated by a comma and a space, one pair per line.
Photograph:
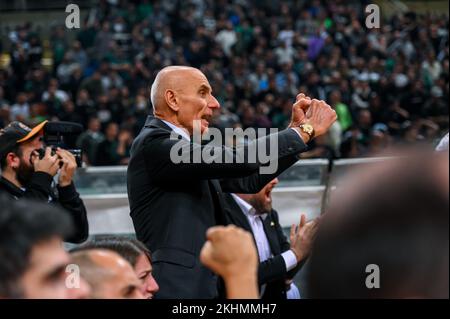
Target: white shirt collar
245, 207
178, 130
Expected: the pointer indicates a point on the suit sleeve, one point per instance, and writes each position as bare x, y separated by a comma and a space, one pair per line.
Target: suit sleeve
175, 160
254, 183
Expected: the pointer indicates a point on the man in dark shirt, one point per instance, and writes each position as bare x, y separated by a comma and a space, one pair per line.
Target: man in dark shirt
25, 175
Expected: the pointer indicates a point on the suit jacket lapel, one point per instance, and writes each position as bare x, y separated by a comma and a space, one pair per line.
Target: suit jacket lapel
270, 229
236, 215
216, 192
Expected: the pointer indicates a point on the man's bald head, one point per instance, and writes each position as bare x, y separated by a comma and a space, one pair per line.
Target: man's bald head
183, 96
109, 275
169, 78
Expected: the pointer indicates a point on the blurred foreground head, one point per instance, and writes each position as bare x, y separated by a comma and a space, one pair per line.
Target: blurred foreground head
109, 275
135, 253
33, 261
393, 216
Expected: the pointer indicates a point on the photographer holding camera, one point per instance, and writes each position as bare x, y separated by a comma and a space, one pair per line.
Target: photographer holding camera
27, 174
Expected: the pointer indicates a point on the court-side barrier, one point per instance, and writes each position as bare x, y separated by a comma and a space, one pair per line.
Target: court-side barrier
303, 188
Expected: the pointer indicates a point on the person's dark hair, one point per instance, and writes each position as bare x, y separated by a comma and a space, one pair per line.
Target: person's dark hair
396, 219
16, 150
130, 249
24, 224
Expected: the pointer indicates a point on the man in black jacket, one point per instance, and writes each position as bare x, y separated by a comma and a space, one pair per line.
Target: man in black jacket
279, 260
174, 203
25, 175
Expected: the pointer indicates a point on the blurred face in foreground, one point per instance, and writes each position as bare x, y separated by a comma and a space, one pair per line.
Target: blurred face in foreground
46, 275
110, 276
144, 271
392, 215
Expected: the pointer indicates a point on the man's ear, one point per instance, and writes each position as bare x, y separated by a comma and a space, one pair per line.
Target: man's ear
172, 100
12, 160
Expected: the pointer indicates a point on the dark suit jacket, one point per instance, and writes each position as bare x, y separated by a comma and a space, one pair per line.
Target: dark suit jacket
173, 205
272, 272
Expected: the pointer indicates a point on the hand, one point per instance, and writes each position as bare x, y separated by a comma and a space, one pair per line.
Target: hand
302, 237
228, 251
124, 137
231, 253
69, 166
48, 164
299, 109
321, 116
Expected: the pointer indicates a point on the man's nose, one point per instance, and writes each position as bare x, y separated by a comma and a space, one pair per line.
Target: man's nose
82, 292
152, 286
213, 103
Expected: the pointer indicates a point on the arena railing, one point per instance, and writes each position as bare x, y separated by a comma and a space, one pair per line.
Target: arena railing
303, 189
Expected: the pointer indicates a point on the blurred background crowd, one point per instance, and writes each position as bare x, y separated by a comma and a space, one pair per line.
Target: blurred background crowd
387, 85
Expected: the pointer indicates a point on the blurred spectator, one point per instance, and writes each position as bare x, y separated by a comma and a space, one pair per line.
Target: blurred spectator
54, 98
115, 148
391, 243
344, 116
89, 140
20, 111
109, 275
33, 262
135, 253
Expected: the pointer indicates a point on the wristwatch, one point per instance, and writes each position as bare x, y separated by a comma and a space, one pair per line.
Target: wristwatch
308, 129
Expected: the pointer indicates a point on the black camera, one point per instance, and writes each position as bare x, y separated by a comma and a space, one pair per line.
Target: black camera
62, 135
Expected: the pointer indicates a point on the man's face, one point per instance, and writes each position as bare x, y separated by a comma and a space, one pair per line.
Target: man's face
144, 269
121, 284
196, 101
46, 275
262, 201
25, 169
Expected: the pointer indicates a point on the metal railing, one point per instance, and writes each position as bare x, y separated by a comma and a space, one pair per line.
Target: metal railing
303, 188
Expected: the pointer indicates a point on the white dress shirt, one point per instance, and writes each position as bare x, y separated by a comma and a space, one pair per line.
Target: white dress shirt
185, 134
262, 243
178, 130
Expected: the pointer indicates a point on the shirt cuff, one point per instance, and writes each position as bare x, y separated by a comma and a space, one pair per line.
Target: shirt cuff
293, 292
289, 259
298, 133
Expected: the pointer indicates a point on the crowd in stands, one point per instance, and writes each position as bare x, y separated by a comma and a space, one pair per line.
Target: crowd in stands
388, 85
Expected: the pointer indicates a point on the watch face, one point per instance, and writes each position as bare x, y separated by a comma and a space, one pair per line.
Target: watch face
308, 128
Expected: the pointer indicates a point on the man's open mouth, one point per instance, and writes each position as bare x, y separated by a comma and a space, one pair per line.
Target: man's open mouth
206, 119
